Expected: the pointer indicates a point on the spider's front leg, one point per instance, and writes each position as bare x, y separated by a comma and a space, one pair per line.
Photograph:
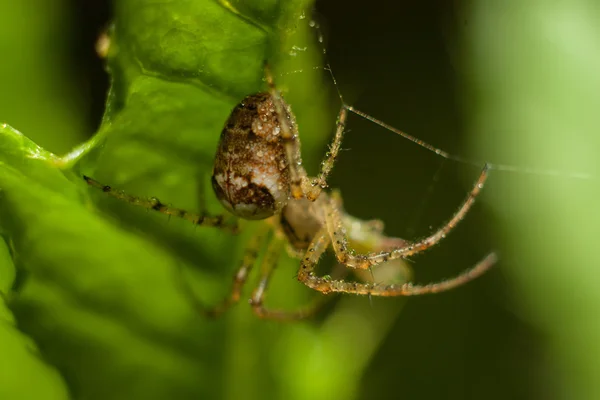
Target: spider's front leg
300, 184
201, 219
334, 232
289, 137
346, 255
320, 182
368, 236
326, 285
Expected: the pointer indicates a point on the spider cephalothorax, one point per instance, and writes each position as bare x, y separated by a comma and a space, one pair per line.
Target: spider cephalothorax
258, 174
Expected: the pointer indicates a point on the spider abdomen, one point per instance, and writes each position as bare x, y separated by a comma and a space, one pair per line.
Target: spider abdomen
251, 175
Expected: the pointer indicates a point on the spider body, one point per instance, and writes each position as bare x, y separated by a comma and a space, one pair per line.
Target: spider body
251, 173
300, 220
258, 174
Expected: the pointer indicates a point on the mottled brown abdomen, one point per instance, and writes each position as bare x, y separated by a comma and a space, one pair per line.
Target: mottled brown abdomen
251, 175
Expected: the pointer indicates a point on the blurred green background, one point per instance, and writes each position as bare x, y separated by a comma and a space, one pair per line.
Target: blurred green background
511, 84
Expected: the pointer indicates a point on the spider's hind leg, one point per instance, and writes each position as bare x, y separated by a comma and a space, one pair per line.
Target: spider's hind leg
201, 219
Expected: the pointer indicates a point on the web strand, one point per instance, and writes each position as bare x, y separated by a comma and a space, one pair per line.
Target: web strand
528, 170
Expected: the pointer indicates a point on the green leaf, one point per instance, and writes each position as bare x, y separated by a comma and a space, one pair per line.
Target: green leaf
20, 363
87, 293
100, 301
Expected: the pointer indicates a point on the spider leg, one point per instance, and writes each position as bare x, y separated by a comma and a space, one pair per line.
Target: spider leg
202, 219
307, 266
258, 296
347, 256
289, 135
320, 183
239, 279
326, 286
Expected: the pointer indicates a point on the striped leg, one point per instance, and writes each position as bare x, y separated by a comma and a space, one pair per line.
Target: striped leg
347, 256
202, 219
326, 285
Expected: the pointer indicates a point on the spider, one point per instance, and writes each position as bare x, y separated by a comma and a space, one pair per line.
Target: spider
258, 175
